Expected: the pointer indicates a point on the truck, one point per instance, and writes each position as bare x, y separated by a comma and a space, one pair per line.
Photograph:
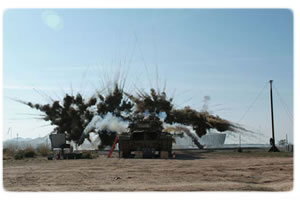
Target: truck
145, 139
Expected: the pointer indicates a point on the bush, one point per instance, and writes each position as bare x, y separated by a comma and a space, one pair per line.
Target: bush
43, 150
19, 155
9, 152
29, 152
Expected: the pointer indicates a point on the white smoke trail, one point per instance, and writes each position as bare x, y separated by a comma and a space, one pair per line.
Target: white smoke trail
185, 141
95, 139
112, 123
109, 123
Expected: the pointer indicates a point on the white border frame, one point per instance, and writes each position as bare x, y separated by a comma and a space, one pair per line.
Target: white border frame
290, 4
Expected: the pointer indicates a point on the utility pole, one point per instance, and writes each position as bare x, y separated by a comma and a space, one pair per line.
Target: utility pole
17, 141
286, 142
272, 140
240, 143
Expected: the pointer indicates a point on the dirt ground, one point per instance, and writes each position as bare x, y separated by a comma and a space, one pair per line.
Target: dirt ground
190, 171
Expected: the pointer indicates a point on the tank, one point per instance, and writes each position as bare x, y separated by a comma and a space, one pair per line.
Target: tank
145, 139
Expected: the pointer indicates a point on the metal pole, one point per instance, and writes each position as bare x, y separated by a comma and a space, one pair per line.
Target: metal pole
273, 148
286, 143
272, 117
240, 143
17, 141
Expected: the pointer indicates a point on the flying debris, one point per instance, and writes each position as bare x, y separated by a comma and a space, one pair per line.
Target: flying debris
107, 115
70, 116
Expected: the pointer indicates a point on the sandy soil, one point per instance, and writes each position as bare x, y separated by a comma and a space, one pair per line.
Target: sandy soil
190, 171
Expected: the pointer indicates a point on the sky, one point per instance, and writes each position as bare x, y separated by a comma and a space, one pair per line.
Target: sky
226, 54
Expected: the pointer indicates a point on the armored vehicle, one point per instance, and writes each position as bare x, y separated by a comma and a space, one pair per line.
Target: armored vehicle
145, 139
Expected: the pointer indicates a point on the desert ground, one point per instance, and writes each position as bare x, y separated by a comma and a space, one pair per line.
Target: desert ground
190, 171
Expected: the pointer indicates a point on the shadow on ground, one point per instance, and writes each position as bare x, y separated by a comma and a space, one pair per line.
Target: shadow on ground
182, 155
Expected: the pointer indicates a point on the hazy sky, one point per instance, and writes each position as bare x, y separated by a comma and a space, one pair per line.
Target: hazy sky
228, 55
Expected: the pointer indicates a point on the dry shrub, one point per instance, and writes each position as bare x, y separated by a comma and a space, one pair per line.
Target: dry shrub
29, 152
9, 152
19, 155
43, 150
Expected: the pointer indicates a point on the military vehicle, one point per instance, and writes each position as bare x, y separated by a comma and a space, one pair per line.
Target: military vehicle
145, 139
60, 149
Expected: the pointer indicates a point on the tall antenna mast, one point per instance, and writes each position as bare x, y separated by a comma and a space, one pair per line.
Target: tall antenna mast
272, 140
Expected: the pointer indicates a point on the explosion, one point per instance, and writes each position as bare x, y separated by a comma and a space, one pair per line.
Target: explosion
108, 115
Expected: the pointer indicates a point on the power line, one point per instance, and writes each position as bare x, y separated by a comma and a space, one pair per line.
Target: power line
257, 97
284, 105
